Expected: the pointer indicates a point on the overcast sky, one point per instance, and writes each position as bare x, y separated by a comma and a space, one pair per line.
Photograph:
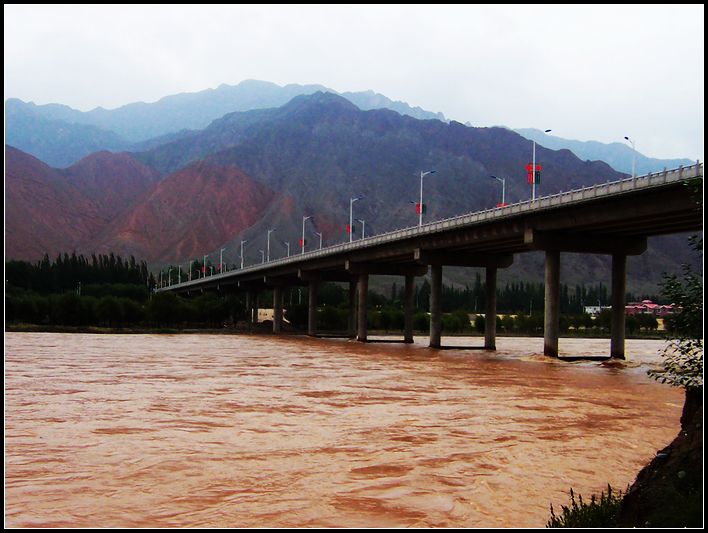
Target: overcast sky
586, 72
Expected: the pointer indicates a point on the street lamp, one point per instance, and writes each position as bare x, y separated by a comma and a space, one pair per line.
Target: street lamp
351, 210
634, 157
533, 168
179, 274
262, 256
221, 260
363, 227
320, 236
169, 276
287, 244
303, 233
242, 243
420, 207
204, 265
190, 270
503, 182
268, 245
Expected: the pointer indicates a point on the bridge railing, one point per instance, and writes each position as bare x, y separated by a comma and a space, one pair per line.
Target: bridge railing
652, 179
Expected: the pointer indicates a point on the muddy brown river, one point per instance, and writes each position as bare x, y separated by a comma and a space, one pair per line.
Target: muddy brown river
207, 430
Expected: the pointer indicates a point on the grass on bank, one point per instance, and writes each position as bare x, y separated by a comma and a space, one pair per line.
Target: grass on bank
597, 513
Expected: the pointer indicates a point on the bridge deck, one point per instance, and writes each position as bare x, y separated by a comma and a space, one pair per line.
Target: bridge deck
605, 218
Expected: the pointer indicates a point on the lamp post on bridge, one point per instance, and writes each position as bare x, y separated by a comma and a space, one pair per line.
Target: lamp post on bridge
287, 245
634, 157
221, 260
262, 256
420, 205
204, 265
533, 168
503, 182
351, 213
302, 242
363, 227
320, 236
242, 243
268, 245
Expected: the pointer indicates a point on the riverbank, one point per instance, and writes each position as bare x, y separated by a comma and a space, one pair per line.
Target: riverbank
668, 492
266, 327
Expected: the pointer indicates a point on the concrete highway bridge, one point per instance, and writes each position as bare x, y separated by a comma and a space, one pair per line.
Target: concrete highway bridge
613, 218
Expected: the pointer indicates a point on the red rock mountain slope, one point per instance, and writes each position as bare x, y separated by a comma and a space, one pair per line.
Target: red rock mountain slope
189, 212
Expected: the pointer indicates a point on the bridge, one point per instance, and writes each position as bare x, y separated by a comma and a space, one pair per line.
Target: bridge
614, 218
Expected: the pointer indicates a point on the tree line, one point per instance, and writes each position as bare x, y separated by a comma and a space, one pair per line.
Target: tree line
107, 290
66, 272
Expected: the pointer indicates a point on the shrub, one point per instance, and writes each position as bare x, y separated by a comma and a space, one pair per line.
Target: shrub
602, 513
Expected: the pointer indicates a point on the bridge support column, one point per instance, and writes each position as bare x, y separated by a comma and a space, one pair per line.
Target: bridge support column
312, 308
435, 306
490, 318
363, 289
408, 306
619, 288
352, 310
277, 309
252, 307
551, 319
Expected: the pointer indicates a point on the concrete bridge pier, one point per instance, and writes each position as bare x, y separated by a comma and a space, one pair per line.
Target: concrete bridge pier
490, 317
312, 308
351, 324
277, 309
252, 307
435, 305
551, 319
363, 289
619, 288
408, 307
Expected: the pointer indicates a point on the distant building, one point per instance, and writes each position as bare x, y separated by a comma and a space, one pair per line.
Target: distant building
594, 310
649, 307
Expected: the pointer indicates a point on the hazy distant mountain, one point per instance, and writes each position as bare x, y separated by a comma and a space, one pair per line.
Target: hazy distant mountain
60, 135
618, 155
56, 142
367, 100
140, 121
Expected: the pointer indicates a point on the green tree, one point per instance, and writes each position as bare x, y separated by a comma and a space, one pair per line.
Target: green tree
683, 356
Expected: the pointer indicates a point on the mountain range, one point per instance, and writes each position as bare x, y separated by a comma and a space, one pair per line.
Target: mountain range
60, 135
195, 192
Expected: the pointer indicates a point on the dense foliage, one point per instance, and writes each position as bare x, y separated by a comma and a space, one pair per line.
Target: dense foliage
68, 271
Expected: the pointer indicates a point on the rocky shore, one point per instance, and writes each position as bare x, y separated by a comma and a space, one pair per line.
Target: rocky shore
668, 492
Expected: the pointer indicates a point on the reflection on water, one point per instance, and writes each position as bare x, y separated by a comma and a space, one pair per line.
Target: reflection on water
261, 431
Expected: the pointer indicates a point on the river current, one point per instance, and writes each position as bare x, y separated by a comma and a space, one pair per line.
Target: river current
209, 430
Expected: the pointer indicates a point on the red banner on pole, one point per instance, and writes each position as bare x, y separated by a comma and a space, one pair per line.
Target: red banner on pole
530, 177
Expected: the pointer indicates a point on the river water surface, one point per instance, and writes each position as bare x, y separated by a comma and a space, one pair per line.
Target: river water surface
260, 431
